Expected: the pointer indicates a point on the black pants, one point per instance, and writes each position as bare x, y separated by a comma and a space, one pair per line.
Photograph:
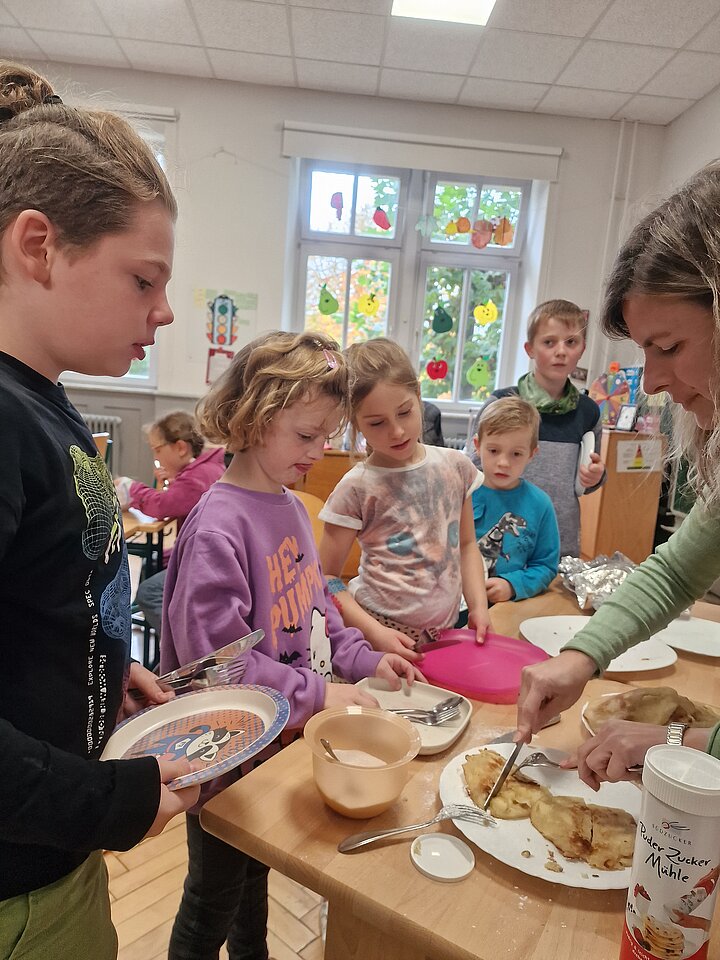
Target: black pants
224, 898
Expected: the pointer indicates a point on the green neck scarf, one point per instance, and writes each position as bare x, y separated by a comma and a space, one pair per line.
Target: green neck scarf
530, 390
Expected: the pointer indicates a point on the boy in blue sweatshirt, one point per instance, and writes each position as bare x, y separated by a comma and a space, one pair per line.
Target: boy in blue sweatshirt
515, 521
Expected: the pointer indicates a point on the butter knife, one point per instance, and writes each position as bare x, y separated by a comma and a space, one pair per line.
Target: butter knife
504, 773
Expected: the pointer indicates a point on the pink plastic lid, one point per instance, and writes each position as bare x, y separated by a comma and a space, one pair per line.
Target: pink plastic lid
488, 671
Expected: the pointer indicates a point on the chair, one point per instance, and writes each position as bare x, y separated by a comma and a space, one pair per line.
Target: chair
104, 446
314, 505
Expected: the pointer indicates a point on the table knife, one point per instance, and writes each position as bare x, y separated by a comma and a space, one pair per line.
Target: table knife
504, 773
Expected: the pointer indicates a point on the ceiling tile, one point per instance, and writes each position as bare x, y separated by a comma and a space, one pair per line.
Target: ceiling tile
661, 23
708, 39
244, 25
16, 43
6, 18
653, 109
252, 67
501, 94
431, 47
348, 78
344, 37
688, 75
165, 20
531, 57
573, 102
548, 16
79, 16
166, 58
79, 48
601, 65
419, 86
381, 7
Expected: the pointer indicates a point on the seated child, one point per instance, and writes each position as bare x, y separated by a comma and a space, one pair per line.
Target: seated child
555, 342
184, 471
409, 507
515, 521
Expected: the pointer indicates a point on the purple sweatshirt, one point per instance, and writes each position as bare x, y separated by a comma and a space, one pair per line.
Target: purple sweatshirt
179, 497
247, 560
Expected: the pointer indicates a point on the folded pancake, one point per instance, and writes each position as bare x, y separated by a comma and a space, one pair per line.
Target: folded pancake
657, 705
515, 798
565, 822
613, 838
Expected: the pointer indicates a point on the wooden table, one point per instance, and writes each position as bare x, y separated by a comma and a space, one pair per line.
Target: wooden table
379, 905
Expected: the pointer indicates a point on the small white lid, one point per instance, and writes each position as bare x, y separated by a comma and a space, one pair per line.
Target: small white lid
442, 856
683, 778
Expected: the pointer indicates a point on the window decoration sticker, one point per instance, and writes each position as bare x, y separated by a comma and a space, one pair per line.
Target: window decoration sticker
482, 231
427, 226
217, 363
463, 225
479, 375
381, 219
451, 229
610, 391
442, 322
503, 233
368, 304
485, 313
436, 369
336, 202
327, 303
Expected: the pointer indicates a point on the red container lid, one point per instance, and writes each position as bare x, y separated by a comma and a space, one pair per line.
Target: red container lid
489, 672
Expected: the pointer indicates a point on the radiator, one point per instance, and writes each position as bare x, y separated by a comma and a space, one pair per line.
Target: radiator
455, 443
102, 423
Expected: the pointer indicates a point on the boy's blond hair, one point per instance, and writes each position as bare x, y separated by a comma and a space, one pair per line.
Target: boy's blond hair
509, 413
270, 374
564, 311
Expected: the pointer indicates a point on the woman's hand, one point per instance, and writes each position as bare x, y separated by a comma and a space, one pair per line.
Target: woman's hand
387, 640
173, 802
147, 691
592, 474
393, 666
345, 694
618, 745
498, 590
550, 687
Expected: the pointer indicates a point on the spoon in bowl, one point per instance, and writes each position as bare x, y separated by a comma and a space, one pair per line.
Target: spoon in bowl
329, 750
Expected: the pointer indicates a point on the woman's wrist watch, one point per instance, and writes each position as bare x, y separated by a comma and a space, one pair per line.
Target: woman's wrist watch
675, 734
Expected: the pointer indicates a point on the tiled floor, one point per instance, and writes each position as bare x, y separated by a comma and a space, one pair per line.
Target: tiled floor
145, 888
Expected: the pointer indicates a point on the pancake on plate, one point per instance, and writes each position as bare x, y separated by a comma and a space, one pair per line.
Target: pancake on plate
657, 705
613, 838
665, 940
565, 822
515, 798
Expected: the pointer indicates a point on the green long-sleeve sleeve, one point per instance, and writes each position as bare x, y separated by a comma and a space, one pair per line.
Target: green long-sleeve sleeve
678, 573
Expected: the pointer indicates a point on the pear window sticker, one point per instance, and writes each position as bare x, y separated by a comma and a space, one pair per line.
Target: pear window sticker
368, 304
327, 303
479, 376
442, 322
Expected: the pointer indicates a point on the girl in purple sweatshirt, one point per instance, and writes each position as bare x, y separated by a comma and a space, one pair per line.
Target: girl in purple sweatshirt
246, 559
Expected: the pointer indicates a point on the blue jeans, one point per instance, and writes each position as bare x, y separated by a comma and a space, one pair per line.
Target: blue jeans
224, 898
149, 598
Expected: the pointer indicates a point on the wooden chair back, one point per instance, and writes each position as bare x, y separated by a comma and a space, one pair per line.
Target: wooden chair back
314, 505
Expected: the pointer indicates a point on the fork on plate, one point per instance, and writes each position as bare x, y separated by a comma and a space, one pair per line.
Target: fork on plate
431, 718
451, 811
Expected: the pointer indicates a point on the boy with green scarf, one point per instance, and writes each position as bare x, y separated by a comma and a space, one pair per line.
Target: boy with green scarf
555, 343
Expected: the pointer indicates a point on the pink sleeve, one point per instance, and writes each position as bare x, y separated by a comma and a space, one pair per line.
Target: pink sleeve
176, 500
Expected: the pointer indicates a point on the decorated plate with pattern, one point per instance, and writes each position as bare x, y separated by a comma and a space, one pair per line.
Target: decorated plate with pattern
219, 728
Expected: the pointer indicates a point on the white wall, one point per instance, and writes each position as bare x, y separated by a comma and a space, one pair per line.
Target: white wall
233, 213
691, 141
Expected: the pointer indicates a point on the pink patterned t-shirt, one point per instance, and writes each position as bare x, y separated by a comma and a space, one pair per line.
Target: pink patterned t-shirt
408, 526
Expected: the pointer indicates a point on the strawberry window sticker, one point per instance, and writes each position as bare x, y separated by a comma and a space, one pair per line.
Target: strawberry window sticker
380, 218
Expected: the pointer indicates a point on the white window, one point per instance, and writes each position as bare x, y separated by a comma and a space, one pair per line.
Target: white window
429, 259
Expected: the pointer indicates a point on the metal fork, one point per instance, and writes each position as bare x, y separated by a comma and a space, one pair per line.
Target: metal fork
428, 717
534, 760
217, 675
452, 811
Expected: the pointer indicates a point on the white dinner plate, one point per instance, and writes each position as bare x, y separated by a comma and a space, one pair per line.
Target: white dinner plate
552, 633
693, 635
507, 841
424, 696
221, 728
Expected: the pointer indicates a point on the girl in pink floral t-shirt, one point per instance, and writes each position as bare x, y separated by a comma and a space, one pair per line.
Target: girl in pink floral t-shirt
409, 507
